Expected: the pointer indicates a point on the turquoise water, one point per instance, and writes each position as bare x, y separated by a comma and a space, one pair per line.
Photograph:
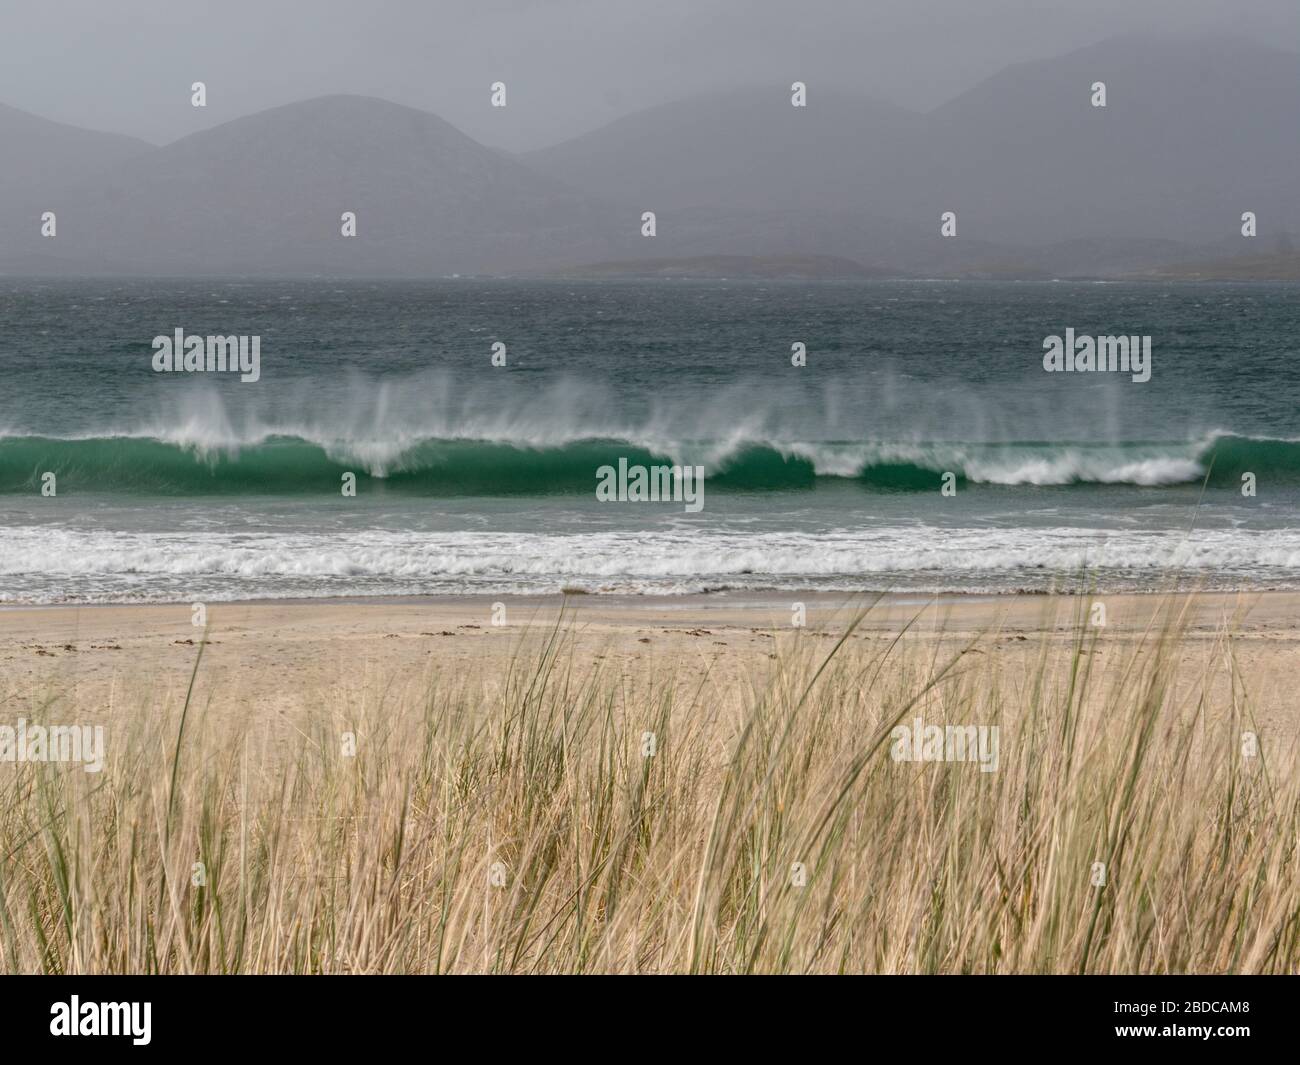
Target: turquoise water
475, 477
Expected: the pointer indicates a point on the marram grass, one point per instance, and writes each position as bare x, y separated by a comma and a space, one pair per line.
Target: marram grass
561, 817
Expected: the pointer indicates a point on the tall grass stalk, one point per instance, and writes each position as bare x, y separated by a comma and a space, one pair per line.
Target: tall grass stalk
564, 817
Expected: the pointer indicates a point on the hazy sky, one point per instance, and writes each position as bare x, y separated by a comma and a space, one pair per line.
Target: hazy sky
570, 65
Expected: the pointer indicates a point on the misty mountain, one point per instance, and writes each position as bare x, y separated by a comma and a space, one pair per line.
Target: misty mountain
1043, 184
265, 194
748, 148
1194, 132
40, 156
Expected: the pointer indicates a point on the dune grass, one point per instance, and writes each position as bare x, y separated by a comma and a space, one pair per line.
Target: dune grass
561, 817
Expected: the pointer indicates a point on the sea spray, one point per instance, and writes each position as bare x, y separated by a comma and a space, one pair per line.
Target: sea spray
272, 463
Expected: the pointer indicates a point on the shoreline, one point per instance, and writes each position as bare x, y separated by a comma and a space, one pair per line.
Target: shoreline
758, 596
748, 609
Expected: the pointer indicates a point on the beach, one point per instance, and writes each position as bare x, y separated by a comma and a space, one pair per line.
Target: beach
654, 784
398, 659
291, 655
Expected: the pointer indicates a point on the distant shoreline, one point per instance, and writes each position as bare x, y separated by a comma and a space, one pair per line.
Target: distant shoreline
1244, 269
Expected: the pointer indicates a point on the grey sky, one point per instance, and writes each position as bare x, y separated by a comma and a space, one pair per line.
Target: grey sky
125, 66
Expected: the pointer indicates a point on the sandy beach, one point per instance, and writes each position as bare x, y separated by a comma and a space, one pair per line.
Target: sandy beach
605, 784
284, 656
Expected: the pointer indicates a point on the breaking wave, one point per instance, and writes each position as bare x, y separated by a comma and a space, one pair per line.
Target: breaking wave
290, 463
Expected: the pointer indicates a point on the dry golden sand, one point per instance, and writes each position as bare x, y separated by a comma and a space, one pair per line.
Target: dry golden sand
283, 656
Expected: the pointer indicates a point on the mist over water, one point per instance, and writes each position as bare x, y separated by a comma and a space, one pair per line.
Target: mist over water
478, 477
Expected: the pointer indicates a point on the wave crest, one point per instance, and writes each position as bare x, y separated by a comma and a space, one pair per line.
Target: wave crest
173, 464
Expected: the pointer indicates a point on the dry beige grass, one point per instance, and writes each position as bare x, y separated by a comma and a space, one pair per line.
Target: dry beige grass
514, 822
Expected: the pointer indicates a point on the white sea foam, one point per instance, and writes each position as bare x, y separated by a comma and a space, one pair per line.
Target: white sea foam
41, 563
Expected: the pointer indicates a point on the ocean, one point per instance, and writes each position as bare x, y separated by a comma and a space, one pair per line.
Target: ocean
477, 478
